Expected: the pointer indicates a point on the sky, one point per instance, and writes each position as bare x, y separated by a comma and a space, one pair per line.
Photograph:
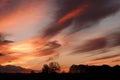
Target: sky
36, 32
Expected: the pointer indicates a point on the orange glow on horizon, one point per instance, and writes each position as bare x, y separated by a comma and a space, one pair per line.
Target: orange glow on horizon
27, 46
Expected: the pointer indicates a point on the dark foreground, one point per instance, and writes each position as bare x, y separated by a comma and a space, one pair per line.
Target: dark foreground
64, 76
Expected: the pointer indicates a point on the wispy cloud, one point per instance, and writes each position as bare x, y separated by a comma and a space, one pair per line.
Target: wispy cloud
106, 57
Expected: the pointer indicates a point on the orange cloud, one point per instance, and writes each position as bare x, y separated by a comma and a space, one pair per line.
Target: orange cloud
80, 10
15, 18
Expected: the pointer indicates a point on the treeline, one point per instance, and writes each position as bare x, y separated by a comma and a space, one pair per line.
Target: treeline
52, 71
85, 69
54, 67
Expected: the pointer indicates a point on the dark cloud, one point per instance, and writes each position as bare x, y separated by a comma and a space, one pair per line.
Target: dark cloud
94, 44
102, 51
114, 39
106, 57
52, 58
3, 41
91, 45
67, 6
7, 41
84, 13
55, 29
53, 44
7, 6
49, 48
1, 54
46, 52
64, 17
99, 9
13, 69
108, 41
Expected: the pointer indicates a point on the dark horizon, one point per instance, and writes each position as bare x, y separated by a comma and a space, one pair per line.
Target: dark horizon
75, 68
77, 72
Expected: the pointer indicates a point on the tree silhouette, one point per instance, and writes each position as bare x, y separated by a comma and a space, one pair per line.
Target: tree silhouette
53, 67
73, 69
78, 68
83, 69
116, 69
32, 72
45, 69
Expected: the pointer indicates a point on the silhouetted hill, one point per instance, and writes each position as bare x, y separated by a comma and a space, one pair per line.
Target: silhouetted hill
13, 69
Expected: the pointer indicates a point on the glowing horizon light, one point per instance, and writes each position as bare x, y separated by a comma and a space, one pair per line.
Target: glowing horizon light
22, 47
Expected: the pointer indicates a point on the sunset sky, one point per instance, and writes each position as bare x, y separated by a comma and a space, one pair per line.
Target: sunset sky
69, 32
